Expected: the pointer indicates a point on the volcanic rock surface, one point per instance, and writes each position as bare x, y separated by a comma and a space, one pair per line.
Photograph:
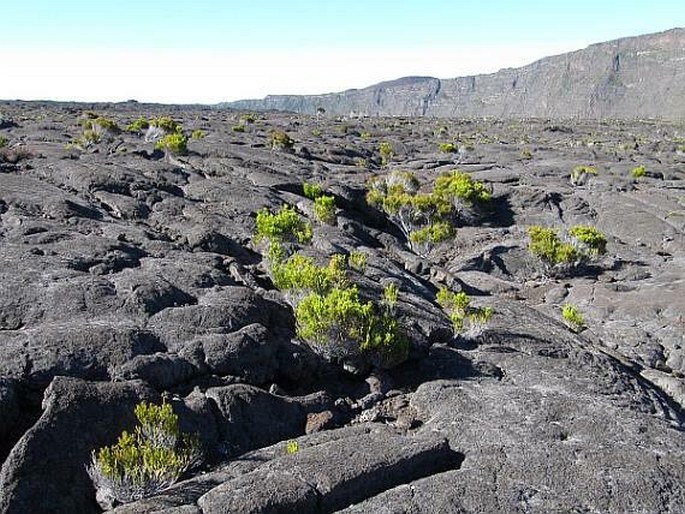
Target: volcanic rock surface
126, 275
633, 77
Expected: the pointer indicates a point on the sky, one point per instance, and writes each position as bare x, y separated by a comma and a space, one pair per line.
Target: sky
204, 51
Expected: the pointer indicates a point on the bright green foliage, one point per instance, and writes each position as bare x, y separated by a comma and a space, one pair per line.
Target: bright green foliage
101, 124
284, 226
342, 324
238, 128
292, 447
573, 317
580, 174
458, 186
324, 208
545, 244
167, 124
386, 152
422, 217
462, 314
138, 125
146, 461
365, 135
175, 143
301, 273
334, 317
281, 141
590, 237
638, 172
433, 234
311, 191
198, 134
357, 261
390, 295
448, 147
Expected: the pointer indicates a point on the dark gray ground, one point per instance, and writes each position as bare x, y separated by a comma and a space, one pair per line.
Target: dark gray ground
127, 276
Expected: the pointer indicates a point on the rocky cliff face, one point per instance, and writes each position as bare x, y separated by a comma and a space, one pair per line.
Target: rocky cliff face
636, 77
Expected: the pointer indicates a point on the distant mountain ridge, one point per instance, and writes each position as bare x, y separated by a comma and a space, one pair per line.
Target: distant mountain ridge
633, 77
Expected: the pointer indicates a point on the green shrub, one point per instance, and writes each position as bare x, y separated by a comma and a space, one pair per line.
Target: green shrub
284, 226
238, 128
448, 147
365, 135
591, 238
341, 325
175, 143
465, 318
324, 208
300, 273
459, 187
545, 244
638, 172
526, 154
167, 124
580, 174
138, 125
147, 461
316, 132
582, 243
573, 317
386, 152
311, 191
420, 216
198, 134
281, 140
247, 118
357, 260
3, 142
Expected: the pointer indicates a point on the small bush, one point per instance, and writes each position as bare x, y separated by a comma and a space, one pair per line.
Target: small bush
581, 174
526, 154
281, 141
147, 461
173, 143
324, 208
545, 244
573, 318
386, 152
167, 124
590, 238
300, 273
316, 132
284, 226
311, 191
139, 125
357, 261
448, 147
3, 142
238, 128
638, 172
341, 325
581, 243
465, 318
365, 135
247, 118
198, 134
459, 187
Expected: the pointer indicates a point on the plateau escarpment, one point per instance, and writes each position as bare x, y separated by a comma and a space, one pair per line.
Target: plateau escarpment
131, 274
629, 78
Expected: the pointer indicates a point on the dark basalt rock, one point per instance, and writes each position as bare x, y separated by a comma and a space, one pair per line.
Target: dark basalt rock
126, 278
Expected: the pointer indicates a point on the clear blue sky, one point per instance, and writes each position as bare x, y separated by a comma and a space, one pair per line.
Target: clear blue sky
251, 34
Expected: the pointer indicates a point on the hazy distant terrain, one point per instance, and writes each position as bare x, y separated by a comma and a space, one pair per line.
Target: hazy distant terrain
635, 77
